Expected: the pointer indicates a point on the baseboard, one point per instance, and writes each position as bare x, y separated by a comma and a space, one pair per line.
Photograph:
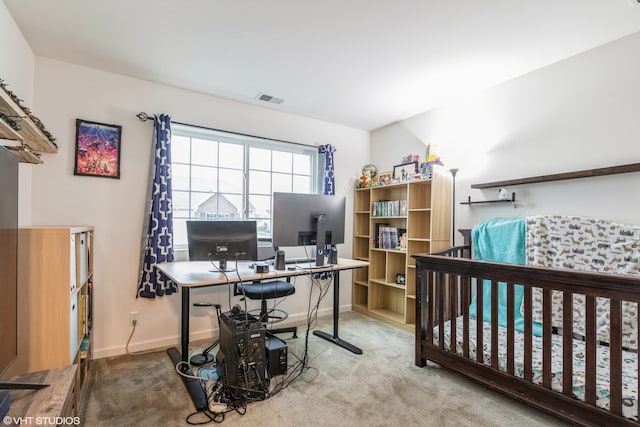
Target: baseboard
174, 340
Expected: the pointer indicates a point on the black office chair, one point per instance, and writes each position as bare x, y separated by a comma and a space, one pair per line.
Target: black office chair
264, 291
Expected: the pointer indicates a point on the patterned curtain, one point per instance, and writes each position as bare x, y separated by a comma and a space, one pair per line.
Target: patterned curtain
157, 238
329, 175
329, 186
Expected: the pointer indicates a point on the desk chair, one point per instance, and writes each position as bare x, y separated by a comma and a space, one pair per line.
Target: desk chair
264, 291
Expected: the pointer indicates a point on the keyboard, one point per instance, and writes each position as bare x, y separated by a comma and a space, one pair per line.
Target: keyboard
287, 261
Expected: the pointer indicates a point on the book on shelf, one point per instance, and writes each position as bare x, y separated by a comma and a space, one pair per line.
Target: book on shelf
389, 208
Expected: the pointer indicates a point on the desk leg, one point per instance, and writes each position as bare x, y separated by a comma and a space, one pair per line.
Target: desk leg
336, 310
193, 386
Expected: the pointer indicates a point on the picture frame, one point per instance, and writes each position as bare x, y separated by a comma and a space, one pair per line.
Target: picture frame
384, 178
98, 147
403, 171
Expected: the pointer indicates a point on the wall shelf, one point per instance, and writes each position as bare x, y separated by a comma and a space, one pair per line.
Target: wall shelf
470, 202
612, 170
30, 138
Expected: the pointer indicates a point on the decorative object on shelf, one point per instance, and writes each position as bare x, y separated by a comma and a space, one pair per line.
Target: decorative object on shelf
410, 158
370, 170
402, 172
384, 178
400, 279
97, 149
365, 179
503, 194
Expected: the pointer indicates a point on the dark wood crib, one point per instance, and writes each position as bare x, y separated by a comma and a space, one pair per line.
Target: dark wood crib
446, 283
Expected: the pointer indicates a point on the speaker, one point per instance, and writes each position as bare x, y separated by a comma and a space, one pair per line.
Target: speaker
280, 263
333, 255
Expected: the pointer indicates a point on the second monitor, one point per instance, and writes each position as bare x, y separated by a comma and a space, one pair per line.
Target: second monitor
308, 219
222, 241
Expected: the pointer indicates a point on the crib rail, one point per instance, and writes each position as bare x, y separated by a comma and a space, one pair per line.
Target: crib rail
445, 286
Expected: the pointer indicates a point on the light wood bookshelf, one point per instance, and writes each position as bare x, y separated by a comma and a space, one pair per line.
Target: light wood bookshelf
427, 221
55, 293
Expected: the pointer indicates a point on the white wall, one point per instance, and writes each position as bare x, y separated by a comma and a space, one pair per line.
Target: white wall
64, 92
17, 64
580, 113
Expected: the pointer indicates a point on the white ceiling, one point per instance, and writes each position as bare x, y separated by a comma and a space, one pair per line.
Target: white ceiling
361, 63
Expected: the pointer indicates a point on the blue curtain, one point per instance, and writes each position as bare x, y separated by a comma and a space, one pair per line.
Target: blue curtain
328, 187
329, 174
157, 238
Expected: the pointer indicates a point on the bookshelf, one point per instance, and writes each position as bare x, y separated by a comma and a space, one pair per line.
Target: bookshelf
422, 210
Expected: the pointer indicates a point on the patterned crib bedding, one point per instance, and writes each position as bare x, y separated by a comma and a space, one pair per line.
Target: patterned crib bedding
629, 363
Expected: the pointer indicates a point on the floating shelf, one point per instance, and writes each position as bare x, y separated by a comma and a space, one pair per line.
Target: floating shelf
612, 170
470, 202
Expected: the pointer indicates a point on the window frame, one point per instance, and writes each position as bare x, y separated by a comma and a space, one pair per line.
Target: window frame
247, 142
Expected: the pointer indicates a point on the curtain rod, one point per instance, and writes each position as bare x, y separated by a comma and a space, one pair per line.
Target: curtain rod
145, 117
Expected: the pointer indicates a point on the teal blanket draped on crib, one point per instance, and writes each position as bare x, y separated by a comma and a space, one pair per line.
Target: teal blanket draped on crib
500, 240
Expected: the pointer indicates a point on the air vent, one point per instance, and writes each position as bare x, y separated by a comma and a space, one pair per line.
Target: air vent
268, 98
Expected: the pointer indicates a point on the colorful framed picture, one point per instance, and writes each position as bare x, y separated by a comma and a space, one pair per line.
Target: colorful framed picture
404, 171
97, 149
383, 178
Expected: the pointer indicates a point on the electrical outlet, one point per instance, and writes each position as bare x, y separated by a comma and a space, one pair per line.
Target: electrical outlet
134, 316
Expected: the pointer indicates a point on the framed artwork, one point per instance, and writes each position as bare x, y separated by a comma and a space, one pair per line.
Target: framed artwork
404, 171
97, 149
383, 178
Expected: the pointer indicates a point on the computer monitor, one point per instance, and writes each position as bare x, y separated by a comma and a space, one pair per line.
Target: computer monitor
222, 241
298, 220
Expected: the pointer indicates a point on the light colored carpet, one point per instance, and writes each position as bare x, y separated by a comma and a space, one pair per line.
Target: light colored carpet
381, 387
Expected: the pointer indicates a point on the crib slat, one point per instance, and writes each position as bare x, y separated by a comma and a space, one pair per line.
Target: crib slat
510, 328
567, 343
546, 338
528, 334
430, 309
453, 311
440, 290
479, 320
466, 298
590, 356
615, 342
494, 324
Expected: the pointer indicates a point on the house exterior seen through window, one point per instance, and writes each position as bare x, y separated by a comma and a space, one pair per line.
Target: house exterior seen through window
220, 175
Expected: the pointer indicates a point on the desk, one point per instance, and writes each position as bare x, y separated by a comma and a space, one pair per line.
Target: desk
196, 274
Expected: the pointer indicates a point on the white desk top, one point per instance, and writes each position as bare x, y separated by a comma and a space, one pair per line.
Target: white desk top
196, 273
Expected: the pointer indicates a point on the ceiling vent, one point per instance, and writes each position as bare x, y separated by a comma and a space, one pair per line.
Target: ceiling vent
268, 98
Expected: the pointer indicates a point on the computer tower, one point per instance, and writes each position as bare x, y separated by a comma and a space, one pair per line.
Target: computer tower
276, 351
242, 355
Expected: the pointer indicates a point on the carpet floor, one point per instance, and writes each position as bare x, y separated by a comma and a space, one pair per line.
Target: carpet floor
381, 387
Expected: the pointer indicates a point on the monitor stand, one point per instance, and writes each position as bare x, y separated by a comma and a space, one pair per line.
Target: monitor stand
222, 267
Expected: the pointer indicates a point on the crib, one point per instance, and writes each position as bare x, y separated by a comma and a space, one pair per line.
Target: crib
547, 348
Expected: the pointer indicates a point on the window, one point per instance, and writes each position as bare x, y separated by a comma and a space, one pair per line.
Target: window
223, 175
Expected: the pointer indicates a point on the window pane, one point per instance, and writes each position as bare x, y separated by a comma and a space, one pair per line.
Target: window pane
301, 184
231, 155
204, 178
203, 202
180, 176
259, 182
263, 227
281, 182
302, 164
259, 159
231, 181
179, 232
180, 149
180, 204
282, 161
204, 152
259, 206
230, 205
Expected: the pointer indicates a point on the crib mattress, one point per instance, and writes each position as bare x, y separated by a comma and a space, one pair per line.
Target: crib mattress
629, 363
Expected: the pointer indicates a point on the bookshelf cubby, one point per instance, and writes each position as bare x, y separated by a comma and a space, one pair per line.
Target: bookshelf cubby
425, 214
